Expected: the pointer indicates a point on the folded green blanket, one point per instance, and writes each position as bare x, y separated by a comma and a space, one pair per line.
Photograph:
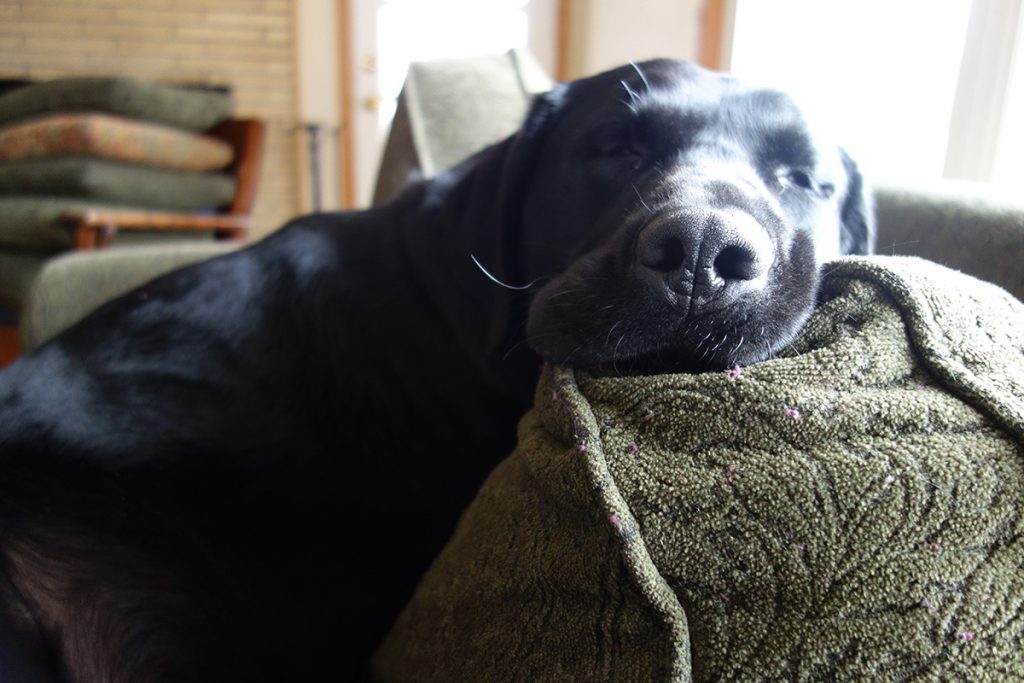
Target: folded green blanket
851, 510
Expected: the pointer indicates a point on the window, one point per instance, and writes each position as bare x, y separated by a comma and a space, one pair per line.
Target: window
414, 30
916, 90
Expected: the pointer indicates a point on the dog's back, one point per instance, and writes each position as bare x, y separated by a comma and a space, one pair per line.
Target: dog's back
239, 470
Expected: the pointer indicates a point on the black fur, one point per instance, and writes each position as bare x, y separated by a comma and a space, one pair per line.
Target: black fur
240, 470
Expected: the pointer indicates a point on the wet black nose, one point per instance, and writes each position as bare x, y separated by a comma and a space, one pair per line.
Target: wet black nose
709, 256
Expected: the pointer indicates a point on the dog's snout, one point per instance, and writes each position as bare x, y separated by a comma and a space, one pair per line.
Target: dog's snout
705, 255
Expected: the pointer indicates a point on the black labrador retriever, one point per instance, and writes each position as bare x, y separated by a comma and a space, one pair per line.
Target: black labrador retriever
240, 470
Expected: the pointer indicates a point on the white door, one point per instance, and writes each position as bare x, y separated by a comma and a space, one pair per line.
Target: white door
388, 34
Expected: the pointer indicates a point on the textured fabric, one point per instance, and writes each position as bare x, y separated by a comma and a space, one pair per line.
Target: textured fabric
967, 226
114, 138
186, 108
849, 511
117, 183
71, 286
18, 271
21, 273
35, 222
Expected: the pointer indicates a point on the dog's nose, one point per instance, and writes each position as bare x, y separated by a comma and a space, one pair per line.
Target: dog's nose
707, 256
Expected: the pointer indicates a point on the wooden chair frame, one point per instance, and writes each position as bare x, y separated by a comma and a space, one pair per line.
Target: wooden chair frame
95, 229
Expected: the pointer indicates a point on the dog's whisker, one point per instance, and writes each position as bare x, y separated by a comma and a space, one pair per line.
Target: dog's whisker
629, 106
513, 348
499, 282
608, 336
567, 359
892, 247
640, 197
564, 292
643, 77
633, 95
622, 338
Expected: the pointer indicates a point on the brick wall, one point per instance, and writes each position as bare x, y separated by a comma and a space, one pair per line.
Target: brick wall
247, 45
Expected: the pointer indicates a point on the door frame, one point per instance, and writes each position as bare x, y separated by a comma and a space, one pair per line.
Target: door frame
349, 46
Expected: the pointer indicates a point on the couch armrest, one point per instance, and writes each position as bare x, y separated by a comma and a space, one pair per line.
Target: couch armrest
966, 226
72, 285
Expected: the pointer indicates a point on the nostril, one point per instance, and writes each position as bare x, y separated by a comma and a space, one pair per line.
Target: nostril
737, 263
664, 255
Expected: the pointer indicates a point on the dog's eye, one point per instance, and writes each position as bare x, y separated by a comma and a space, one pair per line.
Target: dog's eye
794, 177
799, 178
621, 152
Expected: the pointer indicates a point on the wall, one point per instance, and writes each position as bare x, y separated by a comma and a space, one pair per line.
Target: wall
606, 33
542, 35
319, 83
247, 45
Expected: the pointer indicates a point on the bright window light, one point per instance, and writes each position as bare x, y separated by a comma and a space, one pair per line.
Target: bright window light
414, 30
881, 75
1009, 161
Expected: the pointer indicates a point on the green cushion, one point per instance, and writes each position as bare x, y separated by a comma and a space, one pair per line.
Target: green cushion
18, 270
851, 510
963, 225
72, 285
34, 223
187, 108
22, 269
117, 183
115, 138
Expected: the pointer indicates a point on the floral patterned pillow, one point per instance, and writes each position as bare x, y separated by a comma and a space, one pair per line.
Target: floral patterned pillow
114, 138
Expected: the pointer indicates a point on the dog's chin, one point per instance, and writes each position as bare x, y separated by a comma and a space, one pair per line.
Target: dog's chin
668, 360
671, 361
624, 331
722, 350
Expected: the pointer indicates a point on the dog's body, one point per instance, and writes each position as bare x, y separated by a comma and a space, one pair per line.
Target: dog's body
228, 472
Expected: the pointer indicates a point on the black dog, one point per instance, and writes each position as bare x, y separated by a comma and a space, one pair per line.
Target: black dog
240, 470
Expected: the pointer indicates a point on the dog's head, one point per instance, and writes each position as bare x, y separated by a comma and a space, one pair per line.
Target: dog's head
675, 219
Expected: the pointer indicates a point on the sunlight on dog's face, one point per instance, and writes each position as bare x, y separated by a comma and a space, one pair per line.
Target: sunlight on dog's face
678, 220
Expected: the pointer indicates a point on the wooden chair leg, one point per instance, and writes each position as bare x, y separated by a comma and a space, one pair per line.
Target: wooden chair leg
229, 234
88, 237
9, 345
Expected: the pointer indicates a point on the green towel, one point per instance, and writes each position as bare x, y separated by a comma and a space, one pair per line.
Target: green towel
850, 510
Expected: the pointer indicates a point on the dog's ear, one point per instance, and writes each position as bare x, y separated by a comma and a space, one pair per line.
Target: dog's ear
857, 214
520, 155
526, 147
509, 170
490, 212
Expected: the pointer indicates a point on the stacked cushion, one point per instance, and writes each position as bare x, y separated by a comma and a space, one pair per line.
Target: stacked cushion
112, 182
113, 143
188, 109
114, 138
